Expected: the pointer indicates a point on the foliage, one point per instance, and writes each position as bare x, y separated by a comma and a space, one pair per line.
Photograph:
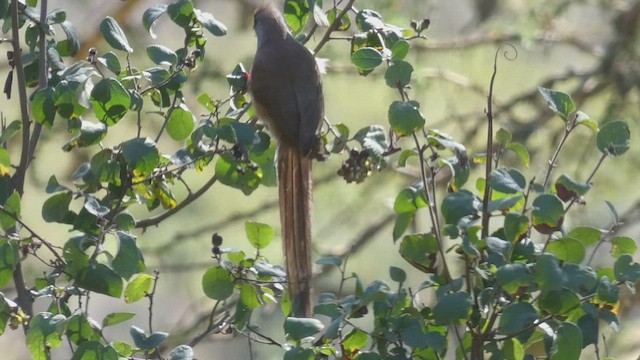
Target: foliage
523, 282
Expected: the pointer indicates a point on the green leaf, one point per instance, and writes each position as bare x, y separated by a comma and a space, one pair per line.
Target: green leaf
559, 102
521, 151
181, 12
397, 274
138, 288
90, 134
94, 350
453, 308
141, 154
567, 189
43, 335
10, 130
622, 245
547, 273
110, 100
626, 270
144, 341
503, 136
259, 235
9, 259
583, 119
568, 342
151, 15
298, 353
329, 260
458, 205
217, 283
181, 122
116, 318
405, 117
355, 341
55, 208
232, 173
11, 211
296, 14
402, 224
111, 61
508, 181
410, 199
5, 162
613, 138
514, 276
398, 74
210, 23
366, 58
43, 106
66, 100
345, 22
559, 302
71, 45
548, 213
300, 328
114, 35
162, 55
101, 279
512, 349
516, 317
182, 352
586, 235
365, 355
567, 249
374, 139
420, 251
399, 50
79, 329
504, 203
581, 279
516, 227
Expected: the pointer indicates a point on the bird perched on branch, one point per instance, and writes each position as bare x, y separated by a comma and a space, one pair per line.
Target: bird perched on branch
287, 94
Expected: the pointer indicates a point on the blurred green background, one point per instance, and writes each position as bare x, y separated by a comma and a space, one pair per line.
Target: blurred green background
588, 48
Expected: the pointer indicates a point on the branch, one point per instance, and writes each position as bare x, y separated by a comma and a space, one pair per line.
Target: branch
43, 79
334, 25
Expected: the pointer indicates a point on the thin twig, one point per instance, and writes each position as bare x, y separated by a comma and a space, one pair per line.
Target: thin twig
333, 27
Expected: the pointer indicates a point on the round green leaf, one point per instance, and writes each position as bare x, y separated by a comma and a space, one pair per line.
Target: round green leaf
399, 50
162, 55
547, 214
141, 154
521, 151
300, 328
516, 317
559, 302
568, 343
405, 117
110, 101
514, 276
101, 279
114, 35
138, 288
181, 352
181, 122
452, 308
613, 138
568, 189
210, 23
398, 74
9, 259
151, 15
567, 249
397, 274
458, 205
548, 274
622, 245
508, 181
259, 235
586, 235
217, 283
366, 58
56, 207
559, 102
43, 106
419, 250
116, 318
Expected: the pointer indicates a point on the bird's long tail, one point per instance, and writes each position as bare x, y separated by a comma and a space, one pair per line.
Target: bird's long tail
294, 184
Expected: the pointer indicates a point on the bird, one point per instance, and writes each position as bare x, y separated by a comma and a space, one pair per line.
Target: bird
286, 88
